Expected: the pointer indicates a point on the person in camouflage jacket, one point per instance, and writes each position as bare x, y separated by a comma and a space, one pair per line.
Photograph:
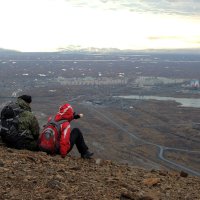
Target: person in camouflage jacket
28, 123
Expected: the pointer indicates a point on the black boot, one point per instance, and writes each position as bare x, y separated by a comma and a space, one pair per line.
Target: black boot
86, 155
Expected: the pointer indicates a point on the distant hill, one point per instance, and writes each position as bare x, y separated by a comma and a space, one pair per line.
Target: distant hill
90, 49
35, 175
8, 51
78, 49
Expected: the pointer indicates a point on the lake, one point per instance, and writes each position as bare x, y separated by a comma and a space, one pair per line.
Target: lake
185, 102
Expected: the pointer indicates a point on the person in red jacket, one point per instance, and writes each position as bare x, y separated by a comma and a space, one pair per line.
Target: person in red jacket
57, 136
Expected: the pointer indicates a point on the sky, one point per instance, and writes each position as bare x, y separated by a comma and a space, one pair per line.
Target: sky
51, 25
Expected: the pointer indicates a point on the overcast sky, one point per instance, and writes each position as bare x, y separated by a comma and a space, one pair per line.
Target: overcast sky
48, 25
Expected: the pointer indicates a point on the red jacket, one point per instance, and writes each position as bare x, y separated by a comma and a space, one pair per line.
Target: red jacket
65, 112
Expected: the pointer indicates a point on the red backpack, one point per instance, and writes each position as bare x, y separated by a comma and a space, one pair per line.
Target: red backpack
50, 136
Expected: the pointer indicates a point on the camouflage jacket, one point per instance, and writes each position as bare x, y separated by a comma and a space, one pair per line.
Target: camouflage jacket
27, 121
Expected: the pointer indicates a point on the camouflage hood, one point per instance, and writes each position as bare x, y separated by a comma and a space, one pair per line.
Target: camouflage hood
22, 104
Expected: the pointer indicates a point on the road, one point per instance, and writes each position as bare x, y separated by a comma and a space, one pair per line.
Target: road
160, 147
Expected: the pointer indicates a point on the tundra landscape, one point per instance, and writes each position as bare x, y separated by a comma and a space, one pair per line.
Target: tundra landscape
121, 122
140, 109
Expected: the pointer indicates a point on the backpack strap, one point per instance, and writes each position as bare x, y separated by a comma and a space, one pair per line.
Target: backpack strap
56, 124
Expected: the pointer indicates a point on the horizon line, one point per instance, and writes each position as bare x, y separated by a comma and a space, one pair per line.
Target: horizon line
102, 50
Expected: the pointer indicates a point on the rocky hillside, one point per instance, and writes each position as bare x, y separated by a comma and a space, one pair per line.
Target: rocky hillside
35, 175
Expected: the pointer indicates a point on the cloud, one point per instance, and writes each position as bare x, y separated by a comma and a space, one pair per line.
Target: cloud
123, 24
180, 7
196, 40
175, 1
163, 37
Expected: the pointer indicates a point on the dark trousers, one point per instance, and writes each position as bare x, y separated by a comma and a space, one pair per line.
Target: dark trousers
76, 137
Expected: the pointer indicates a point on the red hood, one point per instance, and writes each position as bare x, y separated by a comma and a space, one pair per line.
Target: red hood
65, 112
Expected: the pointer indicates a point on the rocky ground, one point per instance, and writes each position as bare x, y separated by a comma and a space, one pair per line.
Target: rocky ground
34, 175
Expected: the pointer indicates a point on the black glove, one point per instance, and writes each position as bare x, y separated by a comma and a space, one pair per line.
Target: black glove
76, 116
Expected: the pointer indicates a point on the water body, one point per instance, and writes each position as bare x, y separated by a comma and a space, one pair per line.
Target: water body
184, 102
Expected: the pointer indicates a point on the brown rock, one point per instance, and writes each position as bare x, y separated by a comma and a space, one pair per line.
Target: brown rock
10, 150
98, 161
54, 184
32, 159
151, 181
75, 168
183, 174
163, 173
59, 177
1, 163
146, 198
127, 196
